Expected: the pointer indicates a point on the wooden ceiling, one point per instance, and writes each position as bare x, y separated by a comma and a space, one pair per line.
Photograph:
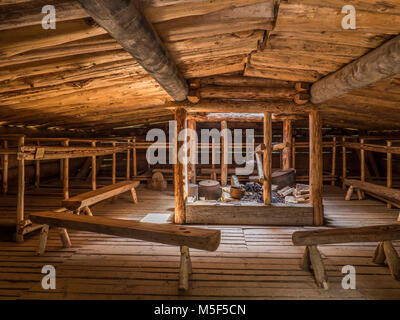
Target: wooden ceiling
78, 77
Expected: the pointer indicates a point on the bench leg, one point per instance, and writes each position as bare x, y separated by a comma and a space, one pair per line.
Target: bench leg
43, 240
305, 261
349, 193
65, 240
88, 211
379, 255
360, 194
392, 259
185, 269
134, 196
318, 267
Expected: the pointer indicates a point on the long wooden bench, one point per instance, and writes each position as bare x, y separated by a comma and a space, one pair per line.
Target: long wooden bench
375, 190
185, 237
84, 200
384, 253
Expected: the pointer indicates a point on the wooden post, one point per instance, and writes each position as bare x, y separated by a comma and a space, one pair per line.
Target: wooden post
193, 145
128, 161
21, 193
66, 174
224, 153
389, 166
114, 164
333, 161
134, 161
185, 269
37, 171
287, 140
392, 259
344, 169
213, 160
179, 218
362, 160
294, 153
267, 158
320, 275
5, 169
362, 165
43, 240
316, 173
94, 168
185, 166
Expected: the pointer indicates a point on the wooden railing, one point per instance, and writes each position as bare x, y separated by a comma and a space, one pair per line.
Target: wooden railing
38, 149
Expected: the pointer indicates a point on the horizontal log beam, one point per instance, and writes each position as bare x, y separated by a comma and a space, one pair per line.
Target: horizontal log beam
240, 117
379, 64
276, 107
250, 93
346, 235
239, 81
125, 23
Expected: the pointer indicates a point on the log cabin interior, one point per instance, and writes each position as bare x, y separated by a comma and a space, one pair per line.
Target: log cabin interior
313, 104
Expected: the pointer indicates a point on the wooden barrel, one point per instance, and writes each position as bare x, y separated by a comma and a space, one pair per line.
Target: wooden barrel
210, 189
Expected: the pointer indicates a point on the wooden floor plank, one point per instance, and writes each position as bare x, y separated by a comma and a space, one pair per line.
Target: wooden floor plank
252, 262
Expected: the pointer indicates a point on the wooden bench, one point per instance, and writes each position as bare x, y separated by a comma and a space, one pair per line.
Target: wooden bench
380, 192
185, 237
84, 200
384, 253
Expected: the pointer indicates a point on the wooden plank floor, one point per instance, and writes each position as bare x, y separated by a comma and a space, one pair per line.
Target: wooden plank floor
251, 262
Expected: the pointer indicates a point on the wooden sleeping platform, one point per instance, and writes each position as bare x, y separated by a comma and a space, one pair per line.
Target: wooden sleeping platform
251, 262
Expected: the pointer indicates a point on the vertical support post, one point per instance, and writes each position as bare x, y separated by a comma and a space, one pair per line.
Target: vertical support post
114, 164
213, 160
61, 168
193, 145
316, 174
294, 153
267, 158
333, 161
344, 163
287, 140
128, 161
37, 171
94, 168
224, 153
179, 218
21, 192
185, 163
5, 169
362, 160
134, 161
66, 173
389, 175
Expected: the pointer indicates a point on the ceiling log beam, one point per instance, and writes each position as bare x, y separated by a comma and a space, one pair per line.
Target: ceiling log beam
379, 64
125, 23
215, 105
